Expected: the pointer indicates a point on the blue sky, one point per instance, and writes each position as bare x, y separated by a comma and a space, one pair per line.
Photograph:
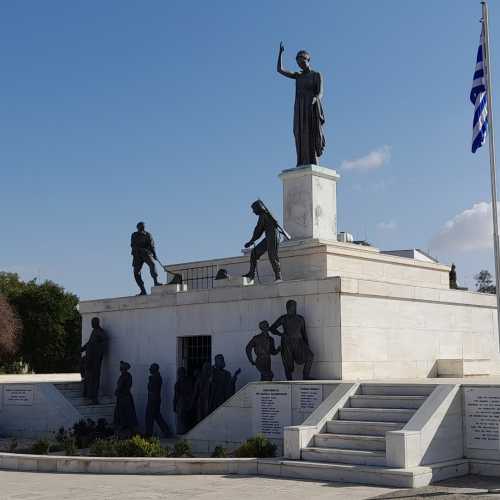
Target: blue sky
173, 113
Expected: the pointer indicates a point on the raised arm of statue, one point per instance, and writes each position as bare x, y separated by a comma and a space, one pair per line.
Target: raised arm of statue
279, 65
274, 327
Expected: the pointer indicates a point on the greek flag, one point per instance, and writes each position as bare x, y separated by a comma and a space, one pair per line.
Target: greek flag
479, 99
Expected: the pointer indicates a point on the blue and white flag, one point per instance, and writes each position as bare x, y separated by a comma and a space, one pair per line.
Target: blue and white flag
479, 98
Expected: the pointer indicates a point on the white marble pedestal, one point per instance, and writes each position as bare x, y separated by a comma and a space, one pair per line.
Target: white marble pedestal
310, 202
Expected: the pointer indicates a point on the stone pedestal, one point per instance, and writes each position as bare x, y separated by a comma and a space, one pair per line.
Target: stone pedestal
310, 202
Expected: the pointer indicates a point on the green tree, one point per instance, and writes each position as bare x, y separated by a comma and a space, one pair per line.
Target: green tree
10, 331
484, 282
51, 323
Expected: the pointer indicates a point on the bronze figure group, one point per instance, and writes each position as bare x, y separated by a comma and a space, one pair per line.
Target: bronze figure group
294, 348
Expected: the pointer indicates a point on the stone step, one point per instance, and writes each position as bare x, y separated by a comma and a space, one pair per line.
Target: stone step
358, 474
96, 411
337, 455
376, 414
63, 386
71, 393
397, 389
350, 442
363, 428
374, 401
103, 400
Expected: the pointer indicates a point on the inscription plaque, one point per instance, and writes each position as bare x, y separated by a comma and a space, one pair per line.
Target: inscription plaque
482, 417
272, 410
310, 397
18, 396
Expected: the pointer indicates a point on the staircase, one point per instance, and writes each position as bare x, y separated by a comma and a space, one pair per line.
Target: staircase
357, 434
72, 391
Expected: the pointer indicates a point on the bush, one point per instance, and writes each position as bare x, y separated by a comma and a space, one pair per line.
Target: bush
219, 452
257, 447
41, 447
12, 445
182, 449
55, 447
69, 446
103, 448
136, 446
85, 432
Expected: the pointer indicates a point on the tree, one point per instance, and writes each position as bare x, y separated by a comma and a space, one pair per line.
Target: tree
51, 323
484, 282
10, 331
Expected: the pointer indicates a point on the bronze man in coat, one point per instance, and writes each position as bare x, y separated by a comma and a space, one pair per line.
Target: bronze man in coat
94, 350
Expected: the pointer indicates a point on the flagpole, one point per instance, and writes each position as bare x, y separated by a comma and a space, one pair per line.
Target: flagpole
491, 143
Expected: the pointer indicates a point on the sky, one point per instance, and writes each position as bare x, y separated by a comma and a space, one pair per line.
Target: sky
172, 112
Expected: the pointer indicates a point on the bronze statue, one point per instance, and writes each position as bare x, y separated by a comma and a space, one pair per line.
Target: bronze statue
153, 406
453, 277
265, 225
202, 391
223, 385
92, 361
125, 417
294, 342
183, 400
143, 252
308, 116
264, 347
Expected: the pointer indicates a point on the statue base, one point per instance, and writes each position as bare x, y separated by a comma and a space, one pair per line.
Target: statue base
310, 202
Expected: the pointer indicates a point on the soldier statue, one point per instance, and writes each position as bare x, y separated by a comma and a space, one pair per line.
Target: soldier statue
143, 252
265, 225
153, 406
94, 350
264, 347
308, 116
223, 385
294, 343
453, 277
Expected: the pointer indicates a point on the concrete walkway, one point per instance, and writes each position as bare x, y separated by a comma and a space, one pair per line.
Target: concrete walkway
40, 486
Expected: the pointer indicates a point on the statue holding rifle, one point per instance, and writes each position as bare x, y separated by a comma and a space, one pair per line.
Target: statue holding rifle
143, 252
267, 225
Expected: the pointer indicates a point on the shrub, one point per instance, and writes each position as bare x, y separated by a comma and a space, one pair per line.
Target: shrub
69, 446
55, 447
40, 447
136, 446
103, 448
219, 452
12, 445
182, 449
85, 432
257, 447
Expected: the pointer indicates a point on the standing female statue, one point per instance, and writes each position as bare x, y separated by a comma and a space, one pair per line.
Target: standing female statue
308, 117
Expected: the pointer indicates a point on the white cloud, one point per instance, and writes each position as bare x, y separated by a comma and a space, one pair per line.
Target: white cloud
387, 226
469, 231
373, 160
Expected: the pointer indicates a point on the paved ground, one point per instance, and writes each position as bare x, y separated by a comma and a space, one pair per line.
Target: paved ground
461, 488
37, 486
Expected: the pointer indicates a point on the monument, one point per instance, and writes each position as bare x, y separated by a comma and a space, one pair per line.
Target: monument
367, 315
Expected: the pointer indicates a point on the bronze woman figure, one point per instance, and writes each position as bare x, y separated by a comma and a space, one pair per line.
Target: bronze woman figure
308, 116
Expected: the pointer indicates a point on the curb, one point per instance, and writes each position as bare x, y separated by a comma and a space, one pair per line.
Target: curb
133, 465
